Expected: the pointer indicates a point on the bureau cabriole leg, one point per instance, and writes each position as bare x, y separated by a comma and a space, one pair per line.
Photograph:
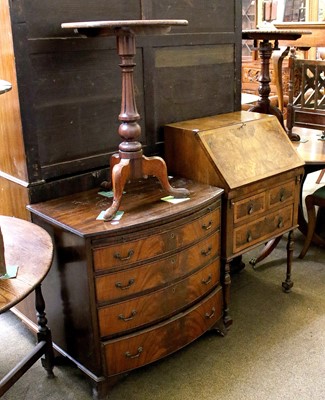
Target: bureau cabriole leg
226, 282
267, 250
287, 284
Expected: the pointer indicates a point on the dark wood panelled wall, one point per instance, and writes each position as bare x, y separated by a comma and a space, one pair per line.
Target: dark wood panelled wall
59, 123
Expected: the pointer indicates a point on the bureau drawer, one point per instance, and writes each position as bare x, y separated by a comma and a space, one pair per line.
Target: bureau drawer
281, 194
149, 345
264, 228
142, 310
146, 247
248, 207
156, 274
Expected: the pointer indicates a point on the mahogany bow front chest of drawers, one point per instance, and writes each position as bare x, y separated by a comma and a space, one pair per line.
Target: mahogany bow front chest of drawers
250, 156
126, 293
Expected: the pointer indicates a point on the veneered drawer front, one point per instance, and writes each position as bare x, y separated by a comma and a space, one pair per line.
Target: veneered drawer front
148, 276
249, 207
144, 248
264, 228
281, 194
142, 310
149, 345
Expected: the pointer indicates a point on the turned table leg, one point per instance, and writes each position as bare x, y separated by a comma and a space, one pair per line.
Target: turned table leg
44, 334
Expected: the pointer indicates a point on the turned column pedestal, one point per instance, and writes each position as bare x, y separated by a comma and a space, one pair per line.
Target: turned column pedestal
130, 163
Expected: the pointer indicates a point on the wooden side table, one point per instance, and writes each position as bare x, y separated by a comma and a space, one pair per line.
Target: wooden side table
130, 163
265, 49
29, 247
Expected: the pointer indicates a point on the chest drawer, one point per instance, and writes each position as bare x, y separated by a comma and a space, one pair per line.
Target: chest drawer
149, 345
147, 276
248, 207
145, 309
281, 194
147, 247
262, 229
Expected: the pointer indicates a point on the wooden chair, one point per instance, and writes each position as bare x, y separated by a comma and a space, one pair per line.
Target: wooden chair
306, 103
281, 77
312, 200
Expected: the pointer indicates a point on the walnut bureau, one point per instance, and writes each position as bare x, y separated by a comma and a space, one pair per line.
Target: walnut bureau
127, 293
250, 156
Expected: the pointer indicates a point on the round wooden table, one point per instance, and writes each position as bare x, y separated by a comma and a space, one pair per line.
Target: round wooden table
30, 248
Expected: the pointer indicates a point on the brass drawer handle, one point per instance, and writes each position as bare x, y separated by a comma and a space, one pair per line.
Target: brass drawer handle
249, 237
207, 227
211, 315
280, 222
206, 252
126, 319
250, 209
207, 281
126, 258
282, 195
129, 355
120, 286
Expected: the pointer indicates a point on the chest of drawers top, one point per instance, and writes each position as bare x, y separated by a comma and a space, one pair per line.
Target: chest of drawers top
141, 204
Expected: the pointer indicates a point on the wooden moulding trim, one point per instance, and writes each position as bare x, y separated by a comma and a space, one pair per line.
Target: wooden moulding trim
14, 179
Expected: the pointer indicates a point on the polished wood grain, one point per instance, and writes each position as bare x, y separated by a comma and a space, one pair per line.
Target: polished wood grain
130, 163
12, 153
30, 248
12, 145
308, 42
261, 229
233, 152
147, 276
142, 207
13, 195
311, 149
152, 245
149, 308
250, 156
133, 351
119, 286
